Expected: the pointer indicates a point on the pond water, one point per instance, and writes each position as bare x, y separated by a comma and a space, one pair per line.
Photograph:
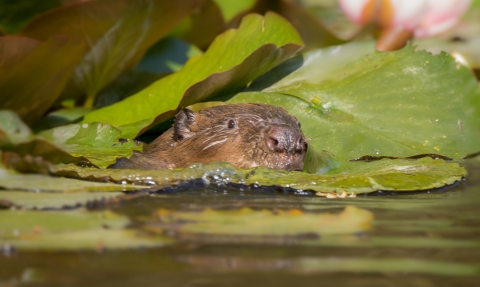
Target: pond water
423, 239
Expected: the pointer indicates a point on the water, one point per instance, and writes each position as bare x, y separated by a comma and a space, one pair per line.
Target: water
424, 239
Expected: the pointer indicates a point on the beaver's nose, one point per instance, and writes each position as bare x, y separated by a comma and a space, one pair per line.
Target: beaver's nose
283, 138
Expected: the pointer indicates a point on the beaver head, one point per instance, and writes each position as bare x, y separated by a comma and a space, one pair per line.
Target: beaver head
245, 135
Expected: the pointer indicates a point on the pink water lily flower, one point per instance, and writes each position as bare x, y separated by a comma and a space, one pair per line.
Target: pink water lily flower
406, 18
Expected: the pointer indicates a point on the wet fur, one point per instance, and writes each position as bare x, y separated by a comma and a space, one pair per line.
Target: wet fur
206, 137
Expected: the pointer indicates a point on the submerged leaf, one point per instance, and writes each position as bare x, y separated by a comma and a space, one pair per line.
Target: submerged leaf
248, 222
71, 230
258, 45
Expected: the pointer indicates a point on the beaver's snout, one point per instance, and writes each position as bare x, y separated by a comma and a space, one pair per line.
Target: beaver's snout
285, 139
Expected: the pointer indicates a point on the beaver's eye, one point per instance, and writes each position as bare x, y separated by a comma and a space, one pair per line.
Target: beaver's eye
231, 124
299, 125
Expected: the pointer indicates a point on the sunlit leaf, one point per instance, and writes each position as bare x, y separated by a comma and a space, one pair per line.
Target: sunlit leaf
87, 144
32, 75
352, 102
101, 144
118, 32
258, 45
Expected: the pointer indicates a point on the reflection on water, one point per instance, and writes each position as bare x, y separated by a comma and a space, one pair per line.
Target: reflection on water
428, 239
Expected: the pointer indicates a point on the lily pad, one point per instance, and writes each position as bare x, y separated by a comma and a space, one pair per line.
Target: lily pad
248, 222
12, 129
99, 143
69, 230
44, 183
88, 144
258, 45
55, 200
356, 177
352, 102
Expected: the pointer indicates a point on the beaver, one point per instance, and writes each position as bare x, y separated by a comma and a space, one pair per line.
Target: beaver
245, 135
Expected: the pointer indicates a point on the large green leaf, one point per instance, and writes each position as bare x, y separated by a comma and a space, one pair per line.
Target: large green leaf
234, 59
355, 177
118, 32
96, 143
353, 101
32, 74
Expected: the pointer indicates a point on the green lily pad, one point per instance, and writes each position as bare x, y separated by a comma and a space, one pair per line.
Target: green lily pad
248, 222
258, 45
55, 200
352, 102
356, 177
44, 183
99, 143
69, 230
96, 143
12, 129
380, 265
118, 32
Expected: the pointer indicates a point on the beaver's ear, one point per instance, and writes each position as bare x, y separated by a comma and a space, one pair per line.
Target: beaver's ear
184, 126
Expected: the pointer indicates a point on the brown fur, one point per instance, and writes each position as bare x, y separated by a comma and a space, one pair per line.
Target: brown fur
245, 135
